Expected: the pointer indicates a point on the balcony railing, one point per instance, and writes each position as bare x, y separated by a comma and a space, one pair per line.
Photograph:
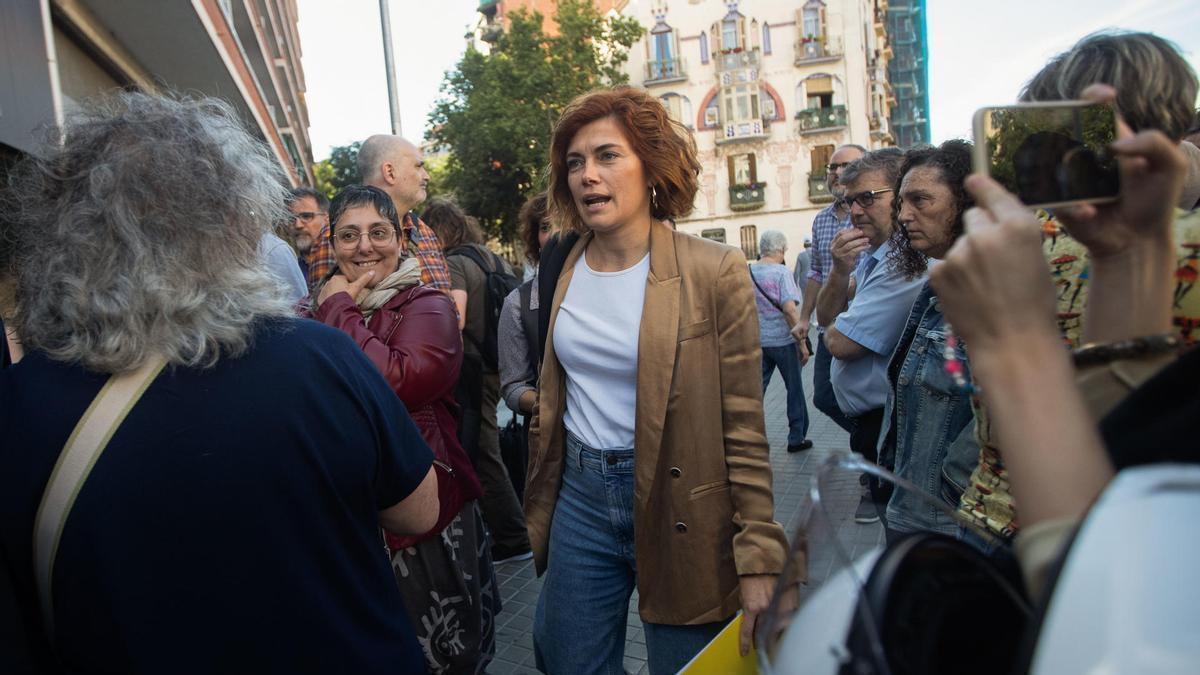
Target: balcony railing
818, 49
818, 192
744, 130
737, 59
818, 119
747, 197
670, 70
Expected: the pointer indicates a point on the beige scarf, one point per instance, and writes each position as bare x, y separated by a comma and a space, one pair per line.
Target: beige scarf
407, 275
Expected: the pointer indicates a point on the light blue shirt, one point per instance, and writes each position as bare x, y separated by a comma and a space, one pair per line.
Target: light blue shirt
875, 320
776, 281
281, 261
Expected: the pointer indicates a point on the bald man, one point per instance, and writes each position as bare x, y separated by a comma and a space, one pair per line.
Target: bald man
397, 167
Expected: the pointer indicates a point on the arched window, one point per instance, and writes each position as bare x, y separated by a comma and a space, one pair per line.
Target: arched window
703, 47
766, 38
679, 108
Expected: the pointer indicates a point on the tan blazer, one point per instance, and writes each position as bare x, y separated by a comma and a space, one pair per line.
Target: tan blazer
703, 512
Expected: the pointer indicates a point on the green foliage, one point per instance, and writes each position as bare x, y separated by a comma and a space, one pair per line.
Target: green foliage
498, 110
323, 175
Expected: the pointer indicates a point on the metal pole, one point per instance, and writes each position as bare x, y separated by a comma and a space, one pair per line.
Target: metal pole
390, 66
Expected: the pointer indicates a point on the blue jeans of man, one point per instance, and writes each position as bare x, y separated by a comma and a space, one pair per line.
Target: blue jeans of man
787, 360
823, 397
579, 625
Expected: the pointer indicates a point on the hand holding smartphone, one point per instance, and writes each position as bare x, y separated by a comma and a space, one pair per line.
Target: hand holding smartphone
1050, 154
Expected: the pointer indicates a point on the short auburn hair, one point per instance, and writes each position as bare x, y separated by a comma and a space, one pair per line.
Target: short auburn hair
665, 147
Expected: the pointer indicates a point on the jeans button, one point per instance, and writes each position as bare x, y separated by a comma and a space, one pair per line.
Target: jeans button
611, 459
676, 472
681, 526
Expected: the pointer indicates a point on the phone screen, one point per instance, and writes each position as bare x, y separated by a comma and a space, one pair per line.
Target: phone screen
1050, 155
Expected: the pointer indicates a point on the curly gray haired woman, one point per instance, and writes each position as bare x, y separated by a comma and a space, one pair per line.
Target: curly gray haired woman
221, 507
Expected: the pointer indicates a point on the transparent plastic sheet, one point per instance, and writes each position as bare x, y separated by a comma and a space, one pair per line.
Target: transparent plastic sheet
805, 628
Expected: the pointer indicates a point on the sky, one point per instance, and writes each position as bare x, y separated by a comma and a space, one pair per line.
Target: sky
980, 54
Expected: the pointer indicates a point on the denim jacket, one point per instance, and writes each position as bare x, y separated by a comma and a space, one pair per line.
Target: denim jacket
924, 418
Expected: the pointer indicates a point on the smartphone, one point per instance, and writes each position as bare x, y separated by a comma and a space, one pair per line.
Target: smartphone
1050, 154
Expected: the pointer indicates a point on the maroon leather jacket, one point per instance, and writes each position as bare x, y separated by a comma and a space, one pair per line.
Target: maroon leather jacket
415, 342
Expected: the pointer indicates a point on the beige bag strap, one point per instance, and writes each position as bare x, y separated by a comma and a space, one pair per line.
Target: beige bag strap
98, 424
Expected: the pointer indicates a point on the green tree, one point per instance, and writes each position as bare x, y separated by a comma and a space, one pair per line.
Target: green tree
340, 170
498, 110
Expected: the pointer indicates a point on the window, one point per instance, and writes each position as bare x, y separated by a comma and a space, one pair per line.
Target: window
811, 19
743, 169
741, 103
715, 234
703, 47
712, 113
750, 241
663, 48
821, 155
766, 38
679, 108
818, 91
729, 34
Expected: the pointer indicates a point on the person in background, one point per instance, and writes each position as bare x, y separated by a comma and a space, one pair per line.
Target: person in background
501, 509
232, 522
803, 266
279, 258
864, 307
519, 351
827, 223
410, 333
1164, 103
996, 291
649, 464
397, 167
310, 222
928, 415
776, 298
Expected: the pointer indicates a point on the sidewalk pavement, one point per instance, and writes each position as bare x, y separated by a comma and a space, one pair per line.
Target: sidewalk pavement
519, 588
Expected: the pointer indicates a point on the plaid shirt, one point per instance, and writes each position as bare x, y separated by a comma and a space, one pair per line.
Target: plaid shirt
825, 225
422, 242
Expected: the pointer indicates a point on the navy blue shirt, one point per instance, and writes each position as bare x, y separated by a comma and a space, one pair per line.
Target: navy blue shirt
231, 525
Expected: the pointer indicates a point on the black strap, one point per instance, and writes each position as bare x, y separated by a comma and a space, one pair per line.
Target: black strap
473, 254
750, 268
529, 322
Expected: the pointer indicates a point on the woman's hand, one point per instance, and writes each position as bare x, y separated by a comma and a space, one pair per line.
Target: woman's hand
994, 284
1152, 174
338, 283
756, 591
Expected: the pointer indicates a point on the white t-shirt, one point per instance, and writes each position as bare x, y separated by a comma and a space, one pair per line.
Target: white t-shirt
596, 340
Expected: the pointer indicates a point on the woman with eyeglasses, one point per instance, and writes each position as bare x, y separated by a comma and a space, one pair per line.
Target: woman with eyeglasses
410, 333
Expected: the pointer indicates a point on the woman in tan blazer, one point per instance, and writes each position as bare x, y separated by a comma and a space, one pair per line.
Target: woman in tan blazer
648, 458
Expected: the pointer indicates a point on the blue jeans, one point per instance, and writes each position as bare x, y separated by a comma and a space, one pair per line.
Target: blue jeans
579, 625
823, 397
788, 361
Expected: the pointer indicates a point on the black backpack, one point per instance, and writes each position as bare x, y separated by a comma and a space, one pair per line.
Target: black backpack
498, 284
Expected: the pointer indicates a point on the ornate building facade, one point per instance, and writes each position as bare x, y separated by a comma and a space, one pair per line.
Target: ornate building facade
769, 89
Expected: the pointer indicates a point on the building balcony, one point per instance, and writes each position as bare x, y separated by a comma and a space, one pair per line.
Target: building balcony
662, 72
818, 50
747, 197
818, 192
737, 59
743, 131
814, 120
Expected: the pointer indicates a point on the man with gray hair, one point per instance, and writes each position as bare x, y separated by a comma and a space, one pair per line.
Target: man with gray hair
776, 297
397, 167
864, 306
831, 220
